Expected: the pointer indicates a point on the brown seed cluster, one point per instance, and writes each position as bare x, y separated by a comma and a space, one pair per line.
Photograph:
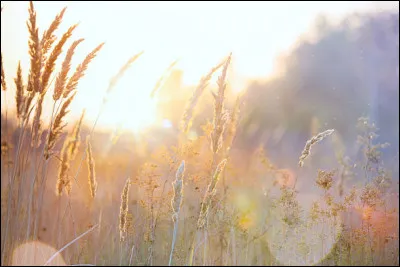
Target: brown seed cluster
325, 179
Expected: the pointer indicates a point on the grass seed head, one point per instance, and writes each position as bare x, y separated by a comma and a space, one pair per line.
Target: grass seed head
315, 139
123, 212
178, 191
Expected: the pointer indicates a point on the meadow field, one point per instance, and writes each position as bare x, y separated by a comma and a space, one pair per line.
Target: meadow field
124, 163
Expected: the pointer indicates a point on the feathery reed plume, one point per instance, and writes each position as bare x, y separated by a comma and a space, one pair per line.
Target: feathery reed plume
162, 78
27, 104
176, 204
63, 178
206, 203
92, 173
75, 138
220, 116
205, 206
123, 211
57, 126
19, 95
178, 191
61, 79
187, 115
121, 72
233, 121
34, 51
310, 143
80, 71
51, 61
37, 124
48, 37
3, 76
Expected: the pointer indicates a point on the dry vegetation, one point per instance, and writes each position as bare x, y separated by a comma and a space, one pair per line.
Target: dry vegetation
215, 212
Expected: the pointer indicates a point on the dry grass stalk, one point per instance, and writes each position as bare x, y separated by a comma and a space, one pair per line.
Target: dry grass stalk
92, 173
123, 212
315, 139
187, 115
233, 121
48, 37
61, 79
37, 124
3, 76
34, 51
122, 71
162, 78
57, 127
19, 95
51, 61
75, 136
220, 116
64, 180
80, 71
206, 203
176, 204
178, 191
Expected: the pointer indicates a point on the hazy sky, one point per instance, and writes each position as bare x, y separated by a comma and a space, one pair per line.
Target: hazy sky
200, 34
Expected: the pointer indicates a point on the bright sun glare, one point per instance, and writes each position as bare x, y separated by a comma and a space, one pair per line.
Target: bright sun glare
129, 104
199, 34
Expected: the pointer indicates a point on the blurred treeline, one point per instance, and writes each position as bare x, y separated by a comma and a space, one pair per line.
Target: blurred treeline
343, 72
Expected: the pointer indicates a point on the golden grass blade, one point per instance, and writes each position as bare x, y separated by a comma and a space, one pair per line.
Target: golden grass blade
206, 203
37, 124
64, 180
34, 51
61, 79
80, 71
48, 37
57, 126
27, 104
220, 116
188, 113
122, 71
162, 78
50, 63
76, 136
19, 95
